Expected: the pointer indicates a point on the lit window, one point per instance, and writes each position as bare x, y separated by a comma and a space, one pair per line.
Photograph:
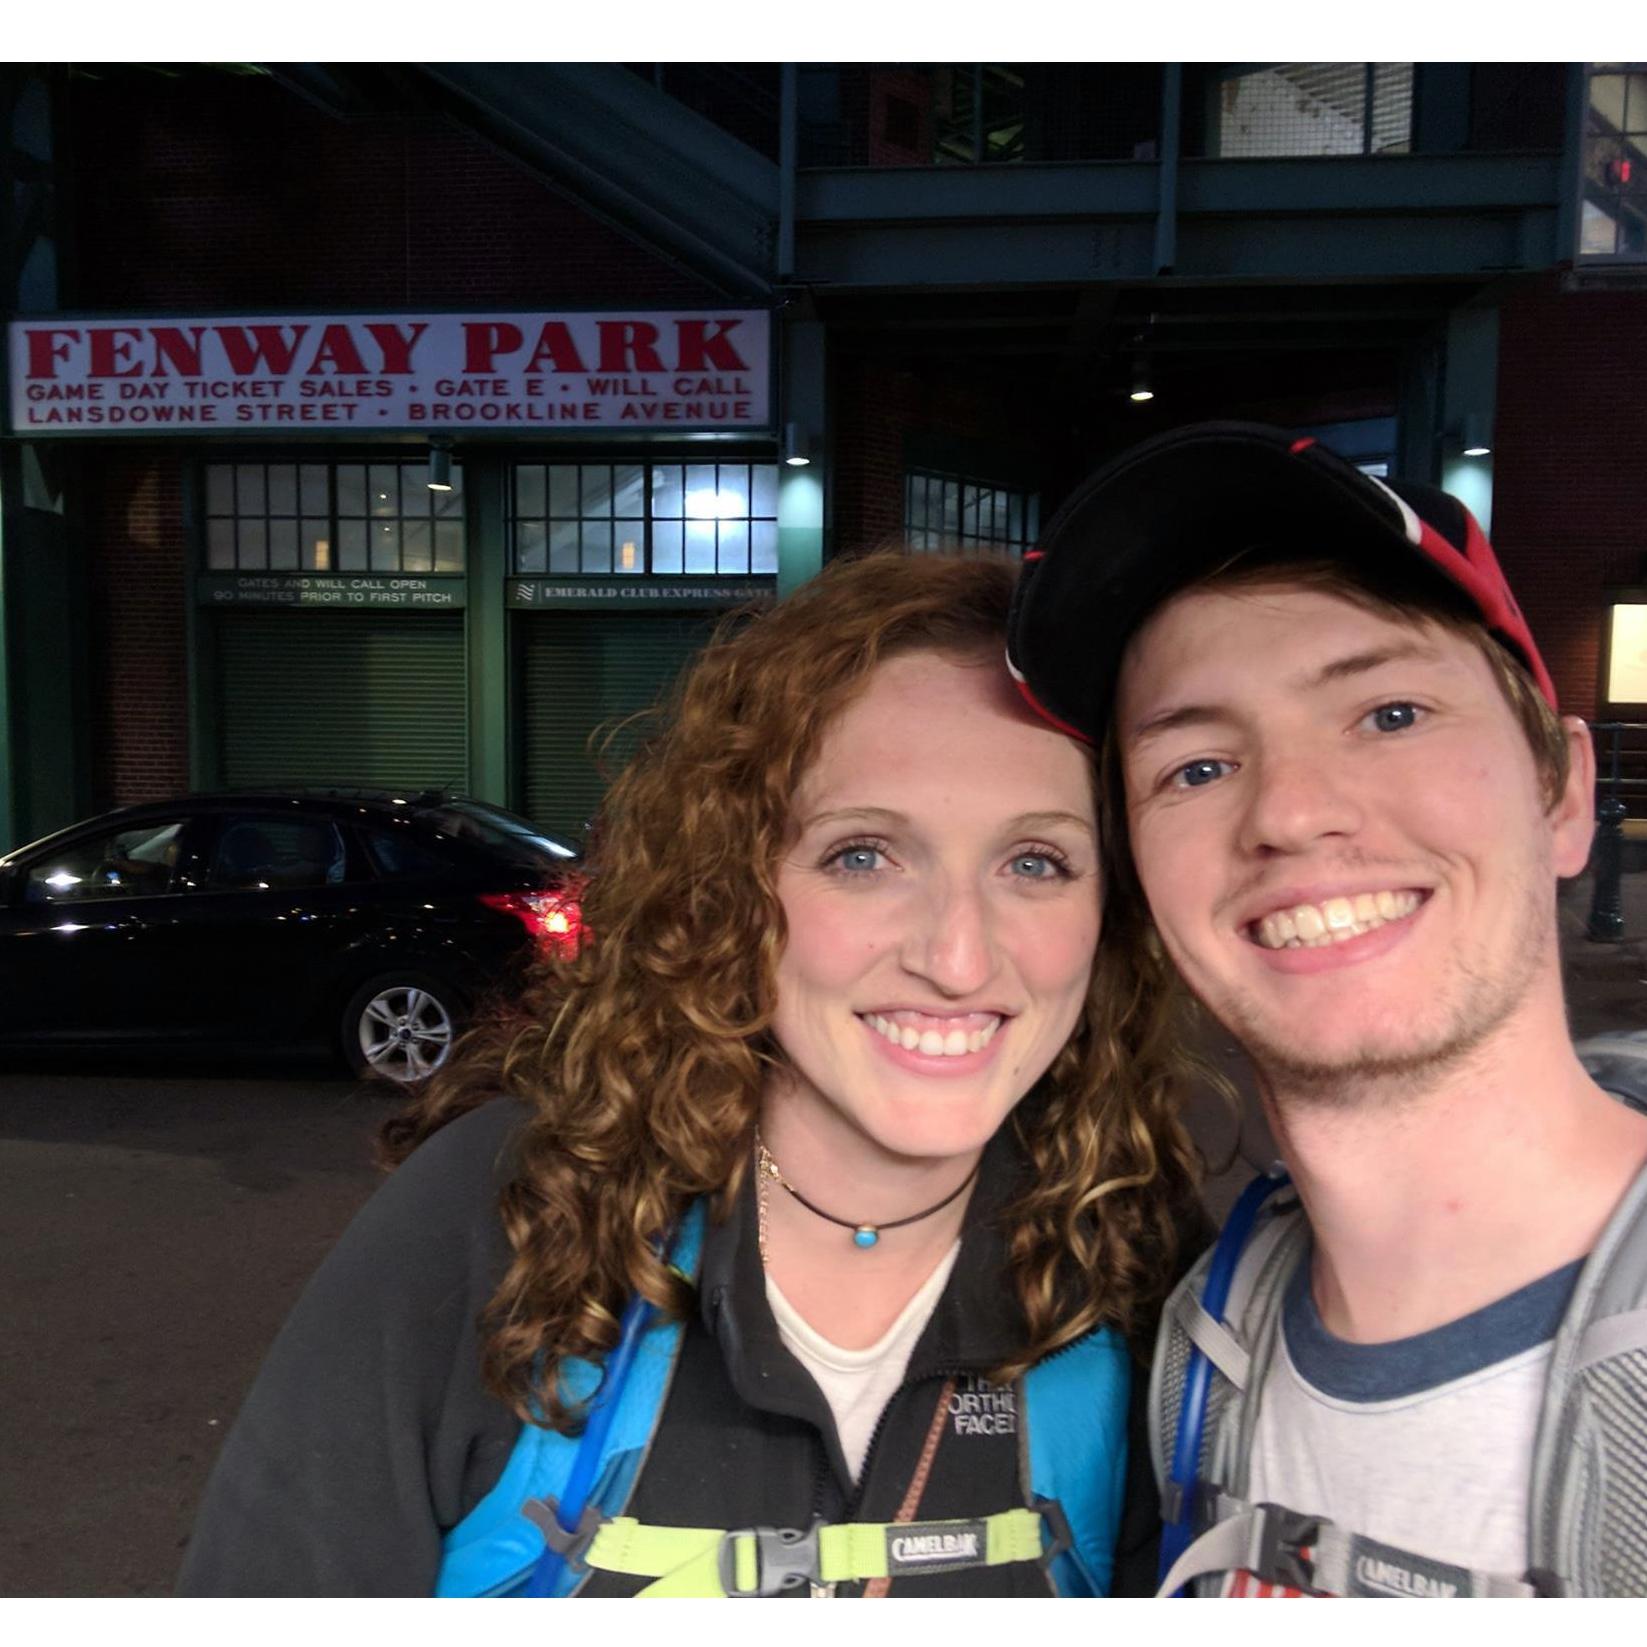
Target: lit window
665, 519
331, 517
1613, 199
951, 512
1283, 109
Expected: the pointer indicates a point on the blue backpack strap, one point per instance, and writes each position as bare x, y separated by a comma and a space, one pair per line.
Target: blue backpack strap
494, 1548
1076, 1416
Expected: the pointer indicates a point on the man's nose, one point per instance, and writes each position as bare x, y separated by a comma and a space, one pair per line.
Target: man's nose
1297, 797
951, 940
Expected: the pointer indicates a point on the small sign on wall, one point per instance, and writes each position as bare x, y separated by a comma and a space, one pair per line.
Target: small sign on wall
376, 594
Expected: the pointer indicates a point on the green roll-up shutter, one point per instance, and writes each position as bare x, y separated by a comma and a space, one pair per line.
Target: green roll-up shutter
347, 697
582, 672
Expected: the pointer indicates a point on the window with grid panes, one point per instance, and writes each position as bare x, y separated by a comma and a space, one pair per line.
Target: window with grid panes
332, 517
950, 512
1613, 211
662, 519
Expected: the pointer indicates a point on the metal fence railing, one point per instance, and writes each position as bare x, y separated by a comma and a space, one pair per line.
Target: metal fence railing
1621, 776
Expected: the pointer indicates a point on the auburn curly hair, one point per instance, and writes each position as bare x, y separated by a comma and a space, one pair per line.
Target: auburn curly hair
643, 1060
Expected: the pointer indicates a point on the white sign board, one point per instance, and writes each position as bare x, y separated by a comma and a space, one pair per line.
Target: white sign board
631, 372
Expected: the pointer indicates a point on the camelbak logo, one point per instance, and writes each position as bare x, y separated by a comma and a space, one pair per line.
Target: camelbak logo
1377, 1570
914, 1547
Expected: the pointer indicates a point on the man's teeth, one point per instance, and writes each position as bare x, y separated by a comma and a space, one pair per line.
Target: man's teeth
1312, 926
954, 1043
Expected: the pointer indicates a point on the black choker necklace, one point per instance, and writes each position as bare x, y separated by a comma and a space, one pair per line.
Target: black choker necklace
863, 1235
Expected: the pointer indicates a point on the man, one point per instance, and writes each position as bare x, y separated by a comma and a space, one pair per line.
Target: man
1339, 784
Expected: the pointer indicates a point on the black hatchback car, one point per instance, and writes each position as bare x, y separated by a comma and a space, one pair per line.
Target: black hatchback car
367, 920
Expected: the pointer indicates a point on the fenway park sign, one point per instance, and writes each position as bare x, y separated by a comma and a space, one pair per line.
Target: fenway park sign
628, 372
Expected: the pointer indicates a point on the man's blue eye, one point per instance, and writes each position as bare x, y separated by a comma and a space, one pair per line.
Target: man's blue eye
1394, 717
1197, 773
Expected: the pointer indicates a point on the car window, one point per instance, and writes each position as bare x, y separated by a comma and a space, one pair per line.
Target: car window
399, 855
500, 831
139, 861
277, 854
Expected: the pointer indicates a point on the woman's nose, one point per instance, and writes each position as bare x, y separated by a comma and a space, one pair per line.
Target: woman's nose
951, 941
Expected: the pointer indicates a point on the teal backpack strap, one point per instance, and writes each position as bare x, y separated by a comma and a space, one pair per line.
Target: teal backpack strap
1076, 1418
493, 1550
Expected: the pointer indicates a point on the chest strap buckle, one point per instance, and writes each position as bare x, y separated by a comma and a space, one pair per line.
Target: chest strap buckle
1283, 1547
775, 1559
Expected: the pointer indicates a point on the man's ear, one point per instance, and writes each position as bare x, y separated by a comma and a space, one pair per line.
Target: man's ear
1573, 817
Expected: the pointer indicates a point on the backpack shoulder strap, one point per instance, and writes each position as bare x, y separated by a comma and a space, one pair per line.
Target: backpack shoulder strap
1236, 1346
1075, 1417
497, 1544
1588, 1476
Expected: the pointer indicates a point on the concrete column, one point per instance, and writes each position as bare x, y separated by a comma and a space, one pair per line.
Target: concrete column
1469, 397
803, 492
486, 619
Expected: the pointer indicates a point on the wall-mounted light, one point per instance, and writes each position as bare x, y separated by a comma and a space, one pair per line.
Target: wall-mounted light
797, 451
1475, 435
440, 466
1142, 387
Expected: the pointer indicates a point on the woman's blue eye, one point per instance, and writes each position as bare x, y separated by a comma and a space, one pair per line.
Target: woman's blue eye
1394, 717
1035, 866
857, 859
1197, 773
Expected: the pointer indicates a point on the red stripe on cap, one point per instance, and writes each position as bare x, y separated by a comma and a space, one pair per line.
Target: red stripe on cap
1302, 444
1048, 716
1034, 554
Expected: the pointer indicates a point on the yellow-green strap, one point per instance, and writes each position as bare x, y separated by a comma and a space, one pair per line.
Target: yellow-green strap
688, 1561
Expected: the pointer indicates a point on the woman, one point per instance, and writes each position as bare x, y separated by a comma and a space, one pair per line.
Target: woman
845, 1087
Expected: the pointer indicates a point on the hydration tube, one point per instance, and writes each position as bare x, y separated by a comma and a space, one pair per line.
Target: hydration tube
551, 1565
1178, 1533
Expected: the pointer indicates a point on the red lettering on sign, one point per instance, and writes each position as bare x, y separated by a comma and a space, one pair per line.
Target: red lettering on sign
171, 345
555, 346
44, 354
629, 345
483, 341
337, 350
109, 349
397, 347
263, 344
703, 350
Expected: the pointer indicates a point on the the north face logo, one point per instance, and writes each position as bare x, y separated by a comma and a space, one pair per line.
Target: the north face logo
978, 1408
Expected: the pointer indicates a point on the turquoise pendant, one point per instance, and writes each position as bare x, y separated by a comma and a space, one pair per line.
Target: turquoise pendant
865, 1235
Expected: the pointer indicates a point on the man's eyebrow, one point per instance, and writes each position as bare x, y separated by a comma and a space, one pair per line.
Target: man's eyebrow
1177, 717
1361, 663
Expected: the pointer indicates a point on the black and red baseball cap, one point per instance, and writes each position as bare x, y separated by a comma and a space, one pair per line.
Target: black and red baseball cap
1175, 508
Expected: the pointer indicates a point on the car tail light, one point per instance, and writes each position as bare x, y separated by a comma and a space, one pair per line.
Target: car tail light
554, 919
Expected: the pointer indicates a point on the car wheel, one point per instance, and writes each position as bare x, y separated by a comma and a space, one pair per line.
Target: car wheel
400, 1027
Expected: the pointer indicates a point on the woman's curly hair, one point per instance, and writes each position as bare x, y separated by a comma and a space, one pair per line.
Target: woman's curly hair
643, 1060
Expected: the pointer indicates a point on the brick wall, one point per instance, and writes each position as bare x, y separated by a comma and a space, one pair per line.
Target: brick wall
137, 591
883, 404
209, 192
217, 194
1569, 485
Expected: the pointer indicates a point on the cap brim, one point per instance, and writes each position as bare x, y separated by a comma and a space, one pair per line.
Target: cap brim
1161, 517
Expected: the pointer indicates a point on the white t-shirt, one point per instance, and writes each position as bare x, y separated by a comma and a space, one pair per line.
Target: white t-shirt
1425, 1443
857, 1384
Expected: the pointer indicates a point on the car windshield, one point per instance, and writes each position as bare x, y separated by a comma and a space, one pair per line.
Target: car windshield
491, 826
